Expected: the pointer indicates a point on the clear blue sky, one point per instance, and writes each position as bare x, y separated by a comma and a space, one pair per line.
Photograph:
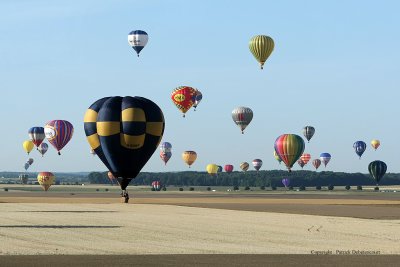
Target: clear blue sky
335, 66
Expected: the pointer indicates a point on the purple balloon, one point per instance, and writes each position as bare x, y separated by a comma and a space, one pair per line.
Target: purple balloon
286, 182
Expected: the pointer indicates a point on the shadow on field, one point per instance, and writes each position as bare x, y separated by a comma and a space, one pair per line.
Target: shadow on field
60, 226
71, 211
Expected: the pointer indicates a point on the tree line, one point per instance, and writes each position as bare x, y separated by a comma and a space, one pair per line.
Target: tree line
252, 178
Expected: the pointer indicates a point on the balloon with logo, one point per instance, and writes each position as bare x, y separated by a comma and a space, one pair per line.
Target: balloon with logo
36, 135
308, 132
305, 158
28, 146
244, 166
46, 179
165, 156
58, 133
124, 132
277, 157
375, 144
377, 169
189, 157
261, 46
183, 98
316, 163
138, 40
212, 169
228, 168
42, 148
359, 147
325, 158
289, 147
242, 116
301, 163
286, 182
197, 99
257, 163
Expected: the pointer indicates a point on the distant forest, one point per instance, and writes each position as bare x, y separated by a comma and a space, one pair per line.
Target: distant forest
253, 178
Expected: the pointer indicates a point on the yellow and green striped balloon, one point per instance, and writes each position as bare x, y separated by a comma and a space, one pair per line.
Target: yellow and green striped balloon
261, 46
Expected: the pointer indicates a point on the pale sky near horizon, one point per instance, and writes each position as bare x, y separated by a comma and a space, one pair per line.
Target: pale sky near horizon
335, 66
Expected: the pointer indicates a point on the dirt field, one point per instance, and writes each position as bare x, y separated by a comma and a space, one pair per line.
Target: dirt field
176, 225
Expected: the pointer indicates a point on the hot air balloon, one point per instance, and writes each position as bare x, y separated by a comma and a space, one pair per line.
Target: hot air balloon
189, 157
305, 158
36, 135
244, 166
325, 158
183, 98
28, 146
359, 147
316, 163
138, 40
289, 147
43, 147
111, 177
375, 144
257, 163
23, 178
277, 157
46, 179
124, 132
228, 168
242, 116
212, 169
377, 169
30, 161
219, 169
301, 163
308, 132
58, 133
165, 156
166, 147
286, 182
26, 166
197, 99
261, 46
156, 185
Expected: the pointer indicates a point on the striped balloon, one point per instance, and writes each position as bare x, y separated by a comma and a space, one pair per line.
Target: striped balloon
257, 163
286, 182
138, 40
156, 185
58, 133
244, 166
261, 46
359, 147
36, 135
308, 132
228, 168
46, 179
184, 98
242, 116
289, 147
377, 169
305, 158
316, 163
301, 163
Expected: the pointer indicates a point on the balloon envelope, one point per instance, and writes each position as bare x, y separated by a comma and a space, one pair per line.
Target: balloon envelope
124, 132
165, 156
28, 146
228, 168
138, 40
166, 147
301, 163
197, 99
156, 185
36, 135
289, 147
277, 157
183, 98
308, 132
43, 147
244, 166
261, 46
242, 116
58, 133
286, 182
325, 158
375, 144
46, 179
212, 169
316, 163
377, 169
359, 147
257, 163
189, 157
